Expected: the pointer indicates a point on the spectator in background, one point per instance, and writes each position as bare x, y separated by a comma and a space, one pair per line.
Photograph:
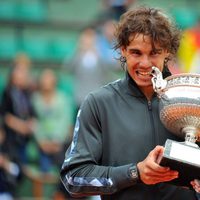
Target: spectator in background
22, 60
17, 111
105, 42
105, 48
115, 8
54, 120
10, 170
53, 126
86, 66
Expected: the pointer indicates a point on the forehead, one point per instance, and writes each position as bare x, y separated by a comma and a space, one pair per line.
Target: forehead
143, 40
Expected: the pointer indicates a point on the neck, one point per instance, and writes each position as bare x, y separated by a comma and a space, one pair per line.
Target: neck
148, 92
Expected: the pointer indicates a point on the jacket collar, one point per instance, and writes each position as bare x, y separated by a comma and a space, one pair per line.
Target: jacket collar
130, 87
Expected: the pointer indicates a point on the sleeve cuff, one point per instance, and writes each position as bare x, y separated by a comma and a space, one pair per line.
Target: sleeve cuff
122, 176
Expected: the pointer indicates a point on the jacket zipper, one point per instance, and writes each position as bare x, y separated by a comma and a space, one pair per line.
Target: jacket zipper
149, 104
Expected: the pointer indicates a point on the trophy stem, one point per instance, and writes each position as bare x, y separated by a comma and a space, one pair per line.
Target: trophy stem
190, 136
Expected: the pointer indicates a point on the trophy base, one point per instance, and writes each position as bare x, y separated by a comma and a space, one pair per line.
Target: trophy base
183, 158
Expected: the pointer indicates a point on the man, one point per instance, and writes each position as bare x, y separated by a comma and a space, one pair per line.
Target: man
118, 133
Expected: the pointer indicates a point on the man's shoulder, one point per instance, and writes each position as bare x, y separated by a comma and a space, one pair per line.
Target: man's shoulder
103, 96
104, 93
107, 90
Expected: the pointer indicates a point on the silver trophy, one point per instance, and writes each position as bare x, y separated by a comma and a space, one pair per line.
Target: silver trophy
179, 107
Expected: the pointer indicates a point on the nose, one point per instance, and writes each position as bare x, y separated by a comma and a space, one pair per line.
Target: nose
145, 61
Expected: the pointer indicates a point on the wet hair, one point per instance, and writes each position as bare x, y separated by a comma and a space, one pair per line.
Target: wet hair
149, 22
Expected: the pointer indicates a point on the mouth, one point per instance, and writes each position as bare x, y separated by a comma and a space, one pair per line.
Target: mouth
144, 73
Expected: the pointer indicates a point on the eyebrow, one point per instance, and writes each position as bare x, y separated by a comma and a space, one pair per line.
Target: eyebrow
133, 49
138, 50
157, 50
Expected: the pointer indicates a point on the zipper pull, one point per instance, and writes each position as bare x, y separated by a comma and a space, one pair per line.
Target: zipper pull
149, 105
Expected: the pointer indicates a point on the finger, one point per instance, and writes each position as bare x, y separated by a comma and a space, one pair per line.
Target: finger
154, 167
158, 179
196, 185
150, 176
197, 182
169, 174
156, 152
154, 155
197, 189
165, 179
192, 183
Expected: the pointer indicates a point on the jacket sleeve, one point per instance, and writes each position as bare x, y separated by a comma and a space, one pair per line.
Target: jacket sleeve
82, 173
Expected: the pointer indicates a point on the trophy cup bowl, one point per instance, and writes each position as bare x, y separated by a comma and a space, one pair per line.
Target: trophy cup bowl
179, 107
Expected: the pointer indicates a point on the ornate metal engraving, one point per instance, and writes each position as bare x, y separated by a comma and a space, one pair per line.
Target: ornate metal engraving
180, 104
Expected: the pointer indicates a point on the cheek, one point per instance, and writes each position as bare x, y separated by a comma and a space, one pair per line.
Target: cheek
131, 67
159, 63
131, 62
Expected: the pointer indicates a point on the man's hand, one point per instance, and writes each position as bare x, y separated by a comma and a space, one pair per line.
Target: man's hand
196, 185
151, 172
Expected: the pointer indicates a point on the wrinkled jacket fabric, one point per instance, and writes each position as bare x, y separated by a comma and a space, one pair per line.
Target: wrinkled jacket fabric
116, 127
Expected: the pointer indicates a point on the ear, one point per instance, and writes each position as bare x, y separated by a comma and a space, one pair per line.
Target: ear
123, 51
167, 55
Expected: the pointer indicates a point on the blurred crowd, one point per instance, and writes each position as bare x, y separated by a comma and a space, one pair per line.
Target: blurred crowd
189, 51
37, 116
33, 114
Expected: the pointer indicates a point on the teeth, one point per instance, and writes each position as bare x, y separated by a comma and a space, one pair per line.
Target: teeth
145, 73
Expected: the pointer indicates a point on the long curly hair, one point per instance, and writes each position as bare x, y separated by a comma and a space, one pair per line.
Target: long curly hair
151, 22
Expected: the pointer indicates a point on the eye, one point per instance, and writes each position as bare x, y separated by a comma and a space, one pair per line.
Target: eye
153, 53
135, 52
156, 52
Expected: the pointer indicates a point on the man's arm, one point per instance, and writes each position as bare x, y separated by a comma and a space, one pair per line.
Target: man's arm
82, 172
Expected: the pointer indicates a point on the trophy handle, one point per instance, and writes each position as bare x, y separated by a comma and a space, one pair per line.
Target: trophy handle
190, 135
159, 84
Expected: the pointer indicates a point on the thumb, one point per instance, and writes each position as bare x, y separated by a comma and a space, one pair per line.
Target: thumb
157, 153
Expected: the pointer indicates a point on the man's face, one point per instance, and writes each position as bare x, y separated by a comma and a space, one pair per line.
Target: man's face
140, 57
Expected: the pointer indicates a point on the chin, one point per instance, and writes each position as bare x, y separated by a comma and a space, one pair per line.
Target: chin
142, 83
145, 85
